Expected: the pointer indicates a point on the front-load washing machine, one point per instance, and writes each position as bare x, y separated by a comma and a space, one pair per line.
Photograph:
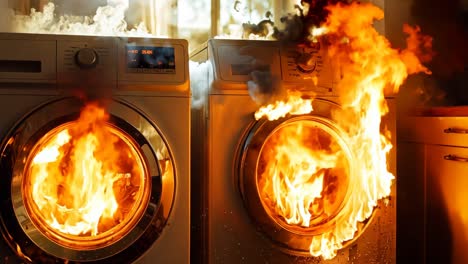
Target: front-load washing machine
95, 149
231, 153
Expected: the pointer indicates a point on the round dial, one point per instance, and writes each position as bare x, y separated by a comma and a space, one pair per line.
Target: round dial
86, 58
306, 63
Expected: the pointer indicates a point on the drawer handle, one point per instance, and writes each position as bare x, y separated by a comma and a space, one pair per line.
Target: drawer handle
455, 158
456, 130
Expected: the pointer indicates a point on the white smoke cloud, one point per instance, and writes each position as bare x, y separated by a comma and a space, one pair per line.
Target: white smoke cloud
108, 21
123, 3
200, 82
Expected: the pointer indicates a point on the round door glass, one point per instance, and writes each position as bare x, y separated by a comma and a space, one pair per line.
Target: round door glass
86, 183
303, 175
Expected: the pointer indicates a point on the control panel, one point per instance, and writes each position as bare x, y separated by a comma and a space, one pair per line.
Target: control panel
150, 59
95, 54
86, 58
302, 62
304, 67
237, 62
22, 61
157, 61
142, 64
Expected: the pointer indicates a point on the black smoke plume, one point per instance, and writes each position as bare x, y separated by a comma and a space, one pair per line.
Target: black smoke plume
311, 13
263, 87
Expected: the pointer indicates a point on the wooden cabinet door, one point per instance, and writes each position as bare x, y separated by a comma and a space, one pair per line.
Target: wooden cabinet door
447, 204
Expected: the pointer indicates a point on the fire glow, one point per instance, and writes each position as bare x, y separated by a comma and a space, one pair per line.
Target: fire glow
294, 105
294, 179
84, 178
308, 179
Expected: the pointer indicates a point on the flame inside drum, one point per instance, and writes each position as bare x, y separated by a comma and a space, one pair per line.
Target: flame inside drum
304, 173
294, 185
85, 179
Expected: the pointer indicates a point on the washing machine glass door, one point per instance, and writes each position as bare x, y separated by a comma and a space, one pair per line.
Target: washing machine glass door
81, 183
296, 176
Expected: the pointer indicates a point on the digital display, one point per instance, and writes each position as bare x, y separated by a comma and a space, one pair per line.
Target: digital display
150, 59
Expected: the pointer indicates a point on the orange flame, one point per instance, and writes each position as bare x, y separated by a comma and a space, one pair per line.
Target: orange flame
293, 182
299, 167
294, 105
84, 177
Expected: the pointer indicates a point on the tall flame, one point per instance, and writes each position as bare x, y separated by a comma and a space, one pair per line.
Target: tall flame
369, 68
84, 179
302, 164
294, 105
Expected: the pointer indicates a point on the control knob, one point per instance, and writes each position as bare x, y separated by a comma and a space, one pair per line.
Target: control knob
306, 63
86, 58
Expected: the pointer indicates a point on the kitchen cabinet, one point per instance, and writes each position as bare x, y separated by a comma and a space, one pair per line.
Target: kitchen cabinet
447, 204
432, 180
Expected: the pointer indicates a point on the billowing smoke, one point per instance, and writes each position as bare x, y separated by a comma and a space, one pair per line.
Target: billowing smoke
294, 27
265, 88
108, 20
99, 18
295, 30
263, 30
447, 22
310, 15
237, 17
200, 74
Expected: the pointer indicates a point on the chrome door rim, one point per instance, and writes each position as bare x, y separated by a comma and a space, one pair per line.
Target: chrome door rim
247, 154
17, 226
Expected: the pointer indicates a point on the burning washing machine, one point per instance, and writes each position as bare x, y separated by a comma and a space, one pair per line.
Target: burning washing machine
94, 165
237, 208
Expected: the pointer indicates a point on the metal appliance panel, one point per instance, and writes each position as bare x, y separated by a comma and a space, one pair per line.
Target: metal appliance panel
222, 122
157, 99
233, 237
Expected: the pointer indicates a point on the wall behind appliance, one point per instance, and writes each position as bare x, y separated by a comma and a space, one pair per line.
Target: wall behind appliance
24, 6
68, 7
194, 20
410, 183
447, 22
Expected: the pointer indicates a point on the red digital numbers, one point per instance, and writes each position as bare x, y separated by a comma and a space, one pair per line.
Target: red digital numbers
146, 52
143, 51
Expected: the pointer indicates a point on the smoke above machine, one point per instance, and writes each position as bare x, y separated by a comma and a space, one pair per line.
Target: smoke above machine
199, 78
299, 28
108, 20
309, 25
